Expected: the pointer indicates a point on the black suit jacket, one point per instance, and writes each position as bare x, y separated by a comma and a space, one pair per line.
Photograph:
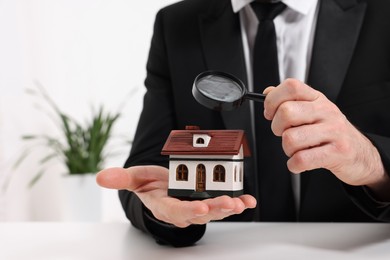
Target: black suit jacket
350, 65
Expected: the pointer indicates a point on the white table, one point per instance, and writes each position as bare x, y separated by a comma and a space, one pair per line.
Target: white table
225, 241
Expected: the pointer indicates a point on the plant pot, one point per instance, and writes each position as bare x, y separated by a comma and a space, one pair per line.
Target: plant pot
82, 198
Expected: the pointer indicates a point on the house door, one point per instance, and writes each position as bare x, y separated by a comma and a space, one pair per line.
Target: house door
200, 178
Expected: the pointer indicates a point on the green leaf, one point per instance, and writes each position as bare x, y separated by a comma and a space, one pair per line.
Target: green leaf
36, 178
81, 147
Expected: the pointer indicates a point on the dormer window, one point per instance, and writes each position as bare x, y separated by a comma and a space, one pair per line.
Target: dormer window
201, 140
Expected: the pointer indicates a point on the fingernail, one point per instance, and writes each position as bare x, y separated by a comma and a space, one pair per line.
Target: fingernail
226, 210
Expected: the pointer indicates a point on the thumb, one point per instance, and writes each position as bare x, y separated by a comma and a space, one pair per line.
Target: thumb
115, 178
130, 178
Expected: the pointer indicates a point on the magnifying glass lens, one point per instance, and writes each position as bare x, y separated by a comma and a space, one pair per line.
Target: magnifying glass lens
221, 91
220, 88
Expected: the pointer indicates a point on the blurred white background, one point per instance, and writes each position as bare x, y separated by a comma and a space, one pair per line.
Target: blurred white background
84, 52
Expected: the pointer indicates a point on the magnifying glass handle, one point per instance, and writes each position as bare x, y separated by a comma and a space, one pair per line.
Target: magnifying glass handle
255, 96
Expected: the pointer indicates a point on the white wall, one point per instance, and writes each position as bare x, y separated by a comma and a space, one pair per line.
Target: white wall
83, 52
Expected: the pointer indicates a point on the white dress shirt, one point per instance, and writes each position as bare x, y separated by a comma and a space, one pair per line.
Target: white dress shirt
294, 28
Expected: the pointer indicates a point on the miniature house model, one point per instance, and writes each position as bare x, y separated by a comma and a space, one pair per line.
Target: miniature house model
205, 163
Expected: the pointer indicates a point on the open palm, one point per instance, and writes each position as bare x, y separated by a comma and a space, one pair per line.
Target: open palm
150, 184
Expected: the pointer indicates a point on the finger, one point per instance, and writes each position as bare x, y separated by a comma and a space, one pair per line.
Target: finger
222, 207
288, 90
131, 178
310, 159
268, 90
239, 206
180, 212
249, 201
227, 204
219, 208
295, 113
300, 138
221, 203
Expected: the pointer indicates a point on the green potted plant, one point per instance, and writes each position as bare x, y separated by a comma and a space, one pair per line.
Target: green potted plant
81, 148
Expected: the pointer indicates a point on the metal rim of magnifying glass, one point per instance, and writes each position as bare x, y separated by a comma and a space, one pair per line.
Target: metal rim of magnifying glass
215, 104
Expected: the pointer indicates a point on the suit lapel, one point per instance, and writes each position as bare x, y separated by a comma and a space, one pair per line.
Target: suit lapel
221, 38
338, 26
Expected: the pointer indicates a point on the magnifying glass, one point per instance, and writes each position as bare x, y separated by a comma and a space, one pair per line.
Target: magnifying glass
221, 91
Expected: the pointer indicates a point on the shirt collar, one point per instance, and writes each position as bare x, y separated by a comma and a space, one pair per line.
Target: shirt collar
300, 6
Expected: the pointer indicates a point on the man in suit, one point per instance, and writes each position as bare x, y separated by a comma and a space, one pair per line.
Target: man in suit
332, 132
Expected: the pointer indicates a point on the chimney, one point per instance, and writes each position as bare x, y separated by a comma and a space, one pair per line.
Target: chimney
192, 127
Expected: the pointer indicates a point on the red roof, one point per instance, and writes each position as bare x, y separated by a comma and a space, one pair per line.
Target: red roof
223, 142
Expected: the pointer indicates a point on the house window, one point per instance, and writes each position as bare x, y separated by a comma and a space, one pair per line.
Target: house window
219, 173
182, 173
235, 173
200, 140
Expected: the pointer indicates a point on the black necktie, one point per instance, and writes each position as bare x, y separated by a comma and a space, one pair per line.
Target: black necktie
276, 197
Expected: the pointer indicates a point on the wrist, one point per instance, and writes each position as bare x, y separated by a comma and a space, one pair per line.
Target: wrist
380, 189
379, 181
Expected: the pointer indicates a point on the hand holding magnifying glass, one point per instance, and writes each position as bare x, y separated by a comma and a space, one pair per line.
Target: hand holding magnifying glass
221, 91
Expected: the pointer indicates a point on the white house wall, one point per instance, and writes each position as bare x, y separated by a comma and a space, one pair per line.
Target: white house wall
228, 185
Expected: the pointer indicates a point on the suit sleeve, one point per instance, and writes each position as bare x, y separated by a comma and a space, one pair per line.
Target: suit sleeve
378, 210
156, 121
